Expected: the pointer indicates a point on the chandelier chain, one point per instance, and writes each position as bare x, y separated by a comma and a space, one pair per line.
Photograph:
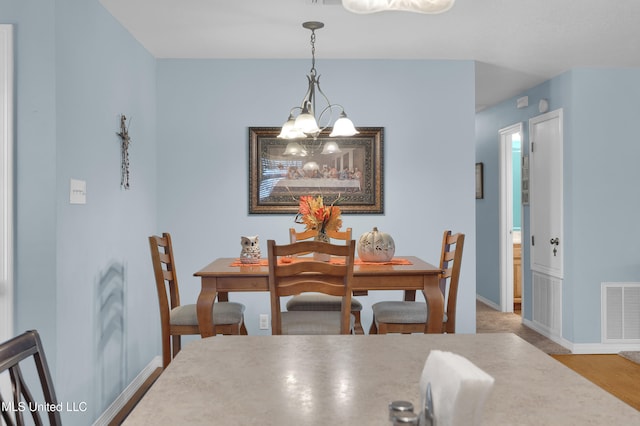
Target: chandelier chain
313, 52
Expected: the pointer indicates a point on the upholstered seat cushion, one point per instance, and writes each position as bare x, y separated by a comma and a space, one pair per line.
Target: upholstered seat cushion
401, 312
313, 322
319, 302
223, 313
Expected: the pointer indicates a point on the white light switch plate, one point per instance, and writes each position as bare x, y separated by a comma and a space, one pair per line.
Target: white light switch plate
78, 191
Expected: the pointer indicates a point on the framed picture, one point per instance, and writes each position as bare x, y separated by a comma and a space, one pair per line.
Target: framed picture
479, 181
281, 170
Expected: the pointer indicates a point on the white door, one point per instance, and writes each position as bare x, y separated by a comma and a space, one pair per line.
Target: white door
547, 240
545, 162
507, 137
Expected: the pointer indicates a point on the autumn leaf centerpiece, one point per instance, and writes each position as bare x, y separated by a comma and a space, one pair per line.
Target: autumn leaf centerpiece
314, 214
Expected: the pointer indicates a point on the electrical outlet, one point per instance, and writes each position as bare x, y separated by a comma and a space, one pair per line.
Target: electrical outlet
264, 321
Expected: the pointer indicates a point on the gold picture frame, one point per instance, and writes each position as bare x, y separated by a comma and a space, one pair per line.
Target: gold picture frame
351, 178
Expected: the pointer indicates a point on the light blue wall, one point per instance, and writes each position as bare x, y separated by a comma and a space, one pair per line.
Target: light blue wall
603, 176
77, 69
35, 167
206, 106
600, 190
101, 72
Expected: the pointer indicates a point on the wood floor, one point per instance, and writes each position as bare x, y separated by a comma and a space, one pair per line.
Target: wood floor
615, 374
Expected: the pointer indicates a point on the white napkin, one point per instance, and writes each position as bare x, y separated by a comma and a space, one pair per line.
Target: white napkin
458, 386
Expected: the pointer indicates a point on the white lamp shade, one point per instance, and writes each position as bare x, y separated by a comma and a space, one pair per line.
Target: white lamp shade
295, 149
307, 124
331, 148
343, 127
289, 131
420, 6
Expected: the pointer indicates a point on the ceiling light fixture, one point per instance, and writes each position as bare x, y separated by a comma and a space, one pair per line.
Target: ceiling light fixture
305, 123
420, 6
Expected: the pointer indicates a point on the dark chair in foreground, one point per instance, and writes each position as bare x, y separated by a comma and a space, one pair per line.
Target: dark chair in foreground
288, 278
177, 320
12, 352
411, 317
323, 302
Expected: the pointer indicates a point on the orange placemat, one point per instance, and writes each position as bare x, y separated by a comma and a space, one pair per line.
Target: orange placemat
262, 262
394, 261
265, 262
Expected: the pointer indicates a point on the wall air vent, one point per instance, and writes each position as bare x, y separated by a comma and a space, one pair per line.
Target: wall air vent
620, 312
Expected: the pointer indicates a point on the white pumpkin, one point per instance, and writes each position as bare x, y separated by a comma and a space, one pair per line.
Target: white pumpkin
376, 246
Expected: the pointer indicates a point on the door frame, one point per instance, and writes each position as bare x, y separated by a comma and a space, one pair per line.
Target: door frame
506, 214
6, 181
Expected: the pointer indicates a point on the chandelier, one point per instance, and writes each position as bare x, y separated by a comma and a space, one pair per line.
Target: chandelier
305, 123
420, 6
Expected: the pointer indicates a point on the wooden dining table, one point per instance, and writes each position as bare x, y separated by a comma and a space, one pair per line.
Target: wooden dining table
409, 273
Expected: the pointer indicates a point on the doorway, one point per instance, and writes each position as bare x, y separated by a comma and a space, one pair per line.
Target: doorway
510, 218
6, 182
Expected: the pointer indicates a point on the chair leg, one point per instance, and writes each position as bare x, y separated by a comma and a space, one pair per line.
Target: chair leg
373, 329
382, 328
243, 330
357, 327
176, 343
166, 350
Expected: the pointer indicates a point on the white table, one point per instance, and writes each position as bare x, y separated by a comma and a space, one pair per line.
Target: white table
349, 380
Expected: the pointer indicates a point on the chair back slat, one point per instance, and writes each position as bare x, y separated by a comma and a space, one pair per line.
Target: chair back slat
295, 237
340, 235
12, 352
310, 276
450, 263
164, 271
166, 286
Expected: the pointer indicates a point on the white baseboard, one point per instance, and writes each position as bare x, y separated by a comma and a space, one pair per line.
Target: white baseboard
122, 399
584, 348
558, 339
604, 348
488, 303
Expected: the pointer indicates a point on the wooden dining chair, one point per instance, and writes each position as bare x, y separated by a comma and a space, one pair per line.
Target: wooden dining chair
178, 320
12, 352
287, 278
323, 302
411, 317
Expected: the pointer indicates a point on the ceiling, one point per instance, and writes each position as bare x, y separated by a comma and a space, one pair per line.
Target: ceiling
517, 44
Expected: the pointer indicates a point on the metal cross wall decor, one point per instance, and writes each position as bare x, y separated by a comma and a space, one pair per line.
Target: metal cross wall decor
125, 140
